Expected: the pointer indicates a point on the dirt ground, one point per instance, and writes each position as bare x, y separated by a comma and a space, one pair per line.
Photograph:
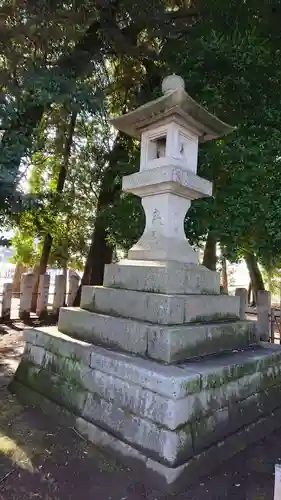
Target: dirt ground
41, 460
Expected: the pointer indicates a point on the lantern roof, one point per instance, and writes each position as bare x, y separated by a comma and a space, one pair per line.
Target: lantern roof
175, 105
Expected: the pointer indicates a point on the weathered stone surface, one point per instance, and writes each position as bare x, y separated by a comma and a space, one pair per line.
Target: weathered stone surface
169, 381
126, 397
56, 342
151, 405
162, 277
160, 308
226, 421
26, 291
160, 409
180, 343
69, 394
242, 293
164, 343
263, 312
170, 479
221, 369
6, 301
34, 353
176, 478
105, 330
157, 442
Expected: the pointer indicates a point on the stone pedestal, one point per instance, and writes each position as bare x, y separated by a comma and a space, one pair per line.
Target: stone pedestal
133, 371
156, 365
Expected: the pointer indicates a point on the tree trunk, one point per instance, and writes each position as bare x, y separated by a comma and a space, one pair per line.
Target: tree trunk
249, 293
210, 252
48, 240
100, 253
19, 270
255, 274
224, 276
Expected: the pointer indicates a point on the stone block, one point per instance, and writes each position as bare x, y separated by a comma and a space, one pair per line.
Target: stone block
219, 370
171, 344
169, 479
160, 308
162, 277
175, 479
226, 421
26, 293
58, 371
105, 330
6, 302
139, 401
58, 343
69, 394
43, 295
169, 396
163, 343
34, 354
59, 293
157, 442
169, 381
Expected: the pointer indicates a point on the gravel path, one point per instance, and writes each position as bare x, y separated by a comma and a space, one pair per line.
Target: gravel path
41, 460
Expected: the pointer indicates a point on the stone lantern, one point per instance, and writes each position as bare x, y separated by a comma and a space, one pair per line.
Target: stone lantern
170, 129
156, 365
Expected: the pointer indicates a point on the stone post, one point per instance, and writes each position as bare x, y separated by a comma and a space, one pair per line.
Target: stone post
5, 312
264, 313
26, 291
277, 482
43, 295
59, 293
243, 294
73, 288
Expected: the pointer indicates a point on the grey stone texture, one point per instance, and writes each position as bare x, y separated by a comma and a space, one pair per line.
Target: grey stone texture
161, 443
164, 343
263, 311
170, 479
162, 277
103, 329
159, 308
179, 343
145, 386
169, 414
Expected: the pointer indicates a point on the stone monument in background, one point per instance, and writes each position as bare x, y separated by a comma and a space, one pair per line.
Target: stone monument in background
156, 365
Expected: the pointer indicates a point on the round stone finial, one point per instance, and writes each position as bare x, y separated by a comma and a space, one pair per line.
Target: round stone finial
172, 83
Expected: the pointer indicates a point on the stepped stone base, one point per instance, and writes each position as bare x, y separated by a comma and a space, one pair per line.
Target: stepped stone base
162, 309
173, 420
164, 343
162, 277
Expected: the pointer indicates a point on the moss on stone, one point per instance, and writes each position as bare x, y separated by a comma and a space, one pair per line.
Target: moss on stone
70, 393
213, 318
192, 386
215, 345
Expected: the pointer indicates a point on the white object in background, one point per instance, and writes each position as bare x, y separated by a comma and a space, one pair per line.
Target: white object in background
277, 485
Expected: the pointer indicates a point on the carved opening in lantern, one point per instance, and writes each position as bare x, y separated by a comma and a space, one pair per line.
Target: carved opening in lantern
157, 148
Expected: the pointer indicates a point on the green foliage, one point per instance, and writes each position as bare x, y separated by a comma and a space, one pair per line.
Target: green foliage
59, 61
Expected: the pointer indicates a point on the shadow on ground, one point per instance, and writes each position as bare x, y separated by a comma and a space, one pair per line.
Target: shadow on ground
41, 460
